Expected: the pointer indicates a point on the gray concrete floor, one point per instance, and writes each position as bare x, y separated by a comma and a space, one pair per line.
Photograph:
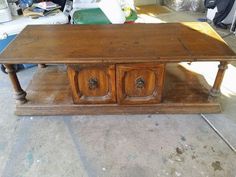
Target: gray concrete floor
119, 146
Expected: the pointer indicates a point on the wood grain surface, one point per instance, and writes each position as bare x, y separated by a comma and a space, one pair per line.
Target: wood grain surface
139, 83
91, 84
136, 43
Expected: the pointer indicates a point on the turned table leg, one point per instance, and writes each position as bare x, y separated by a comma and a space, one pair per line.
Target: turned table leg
215, 91
41, 65
20, 94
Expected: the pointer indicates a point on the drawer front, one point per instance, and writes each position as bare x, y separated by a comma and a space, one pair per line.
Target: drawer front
92, 83
139, 83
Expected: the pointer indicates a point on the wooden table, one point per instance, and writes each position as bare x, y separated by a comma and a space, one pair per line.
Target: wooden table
117, 69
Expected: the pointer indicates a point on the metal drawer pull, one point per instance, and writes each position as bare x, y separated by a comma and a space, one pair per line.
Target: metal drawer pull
93, 83
140, 83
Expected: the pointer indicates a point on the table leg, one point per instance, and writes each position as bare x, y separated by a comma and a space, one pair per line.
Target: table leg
41, 65
20, 94
215, 91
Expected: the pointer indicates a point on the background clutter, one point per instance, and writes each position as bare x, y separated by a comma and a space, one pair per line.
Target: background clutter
185, 5
41, 9
103, 12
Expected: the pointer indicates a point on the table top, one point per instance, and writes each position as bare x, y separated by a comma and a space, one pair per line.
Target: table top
129, 43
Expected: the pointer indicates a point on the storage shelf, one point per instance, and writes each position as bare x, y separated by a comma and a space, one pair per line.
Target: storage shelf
184, 92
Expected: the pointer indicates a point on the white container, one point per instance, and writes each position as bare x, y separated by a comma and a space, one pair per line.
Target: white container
89, 4
20, 22
5, 13
112, 9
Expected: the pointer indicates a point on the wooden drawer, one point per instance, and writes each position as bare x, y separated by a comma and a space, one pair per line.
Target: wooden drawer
139, 83
92, 83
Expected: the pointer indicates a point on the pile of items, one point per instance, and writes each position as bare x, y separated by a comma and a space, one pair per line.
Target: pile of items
41, 9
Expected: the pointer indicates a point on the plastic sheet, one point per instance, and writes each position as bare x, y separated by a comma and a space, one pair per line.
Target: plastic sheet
87, 4
90, 16
186, 5
113, 11
117, 11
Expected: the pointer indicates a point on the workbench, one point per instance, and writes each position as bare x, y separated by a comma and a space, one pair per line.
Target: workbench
117, 69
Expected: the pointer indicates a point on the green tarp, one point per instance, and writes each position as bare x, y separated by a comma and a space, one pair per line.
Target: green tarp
96, 16
90, 16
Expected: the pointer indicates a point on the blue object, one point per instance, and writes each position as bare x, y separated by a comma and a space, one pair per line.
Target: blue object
25, 3
202, 19
5, 42
37, 9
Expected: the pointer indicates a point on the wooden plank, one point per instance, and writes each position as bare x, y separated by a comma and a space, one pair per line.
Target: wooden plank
184, 92
177, 108
137, 43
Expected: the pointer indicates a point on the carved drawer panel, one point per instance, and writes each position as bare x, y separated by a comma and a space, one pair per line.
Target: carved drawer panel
92, 83
139, 83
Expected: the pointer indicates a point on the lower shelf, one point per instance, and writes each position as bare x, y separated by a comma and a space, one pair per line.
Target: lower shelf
184, 92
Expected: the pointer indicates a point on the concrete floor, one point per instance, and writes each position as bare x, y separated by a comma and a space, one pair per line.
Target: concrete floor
120, 146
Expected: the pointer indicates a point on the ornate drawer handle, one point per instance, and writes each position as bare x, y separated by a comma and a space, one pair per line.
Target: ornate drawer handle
92, 83
140, 83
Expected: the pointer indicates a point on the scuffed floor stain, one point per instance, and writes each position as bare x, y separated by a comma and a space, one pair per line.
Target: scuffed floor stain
2, 146
216, 165
213, 150
173, 172
30, 159
194, 157
132, 157
179, 150
183, 138
176, 157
